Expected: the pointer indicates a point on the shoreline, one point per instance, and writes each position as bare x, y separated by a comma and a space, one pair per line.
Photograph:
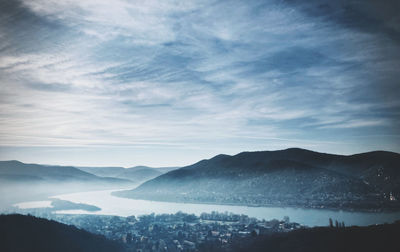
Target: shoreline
345, 209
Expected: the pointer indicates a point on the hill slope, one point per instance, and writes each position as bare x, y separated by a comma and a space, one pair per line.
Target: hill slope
140, 173
27, 233
292, 177
136, 174
18, 171
102, 171
26, 182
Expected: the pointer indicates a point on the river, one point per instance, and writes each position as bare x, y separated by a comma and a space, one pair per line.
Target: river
112, 205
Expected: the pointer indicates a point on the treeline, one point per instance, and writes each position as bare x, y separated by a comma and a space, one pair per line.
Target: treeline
327, 239
337, 224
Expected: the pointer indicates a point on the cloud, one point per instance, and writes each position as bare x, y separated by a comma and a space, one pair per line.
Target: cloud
356, 124
195, 73
146, 22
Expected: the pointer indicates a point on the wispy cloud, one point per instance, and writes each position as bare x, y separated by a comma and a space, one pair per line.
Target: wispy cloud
216, 75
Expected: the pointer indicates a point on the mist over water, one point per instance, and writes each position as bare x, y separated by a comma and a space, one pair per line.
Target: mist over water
12, 193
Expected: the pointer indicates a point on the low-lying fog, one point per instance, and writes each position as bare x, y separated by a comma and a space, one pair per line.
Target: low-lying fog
16, 192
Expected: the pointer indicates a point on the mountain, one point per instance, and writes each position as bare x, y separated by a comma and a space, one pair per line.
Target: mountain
26, 182
166, 169
140, 173
102, 171
27, 233
15, 171
136, 174
291, 177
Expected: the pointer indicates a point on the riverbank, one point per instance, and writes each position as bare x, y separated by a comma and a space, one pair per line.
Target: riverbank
386, 207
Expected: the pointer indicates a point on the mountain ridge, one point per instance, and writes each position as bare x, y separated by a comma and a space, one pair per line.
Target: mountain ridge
136, 174
14, 168
291, 177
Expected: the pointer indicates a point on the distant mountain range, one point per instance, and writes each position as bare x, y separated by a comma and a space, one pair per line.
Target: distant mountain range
27, 233
15, 171
136, 174
291, 177
26, 182
21, 182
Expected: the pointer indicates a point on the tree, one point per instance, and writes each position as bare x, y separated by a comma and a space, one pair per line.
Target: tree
128, 238
286, 219
330, 223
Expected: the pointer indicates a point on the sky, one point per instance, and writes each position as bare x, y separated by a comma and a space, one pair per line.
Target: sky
168, 83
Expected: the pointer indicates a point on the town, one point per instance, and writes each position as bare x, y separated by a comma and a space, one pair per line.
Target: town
176, 232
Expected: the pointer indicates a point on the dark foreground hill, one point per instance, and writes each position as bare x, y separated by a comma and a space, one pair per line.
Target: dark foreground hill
349, 239
19, 233
292, 177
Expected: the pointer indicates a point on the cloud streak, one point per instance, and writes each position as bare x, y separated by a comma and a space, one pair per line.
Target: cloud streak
221, 76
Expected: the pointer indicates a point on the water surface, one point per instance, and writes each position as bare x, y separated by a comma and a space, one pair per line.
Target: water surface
34, 204
112, 205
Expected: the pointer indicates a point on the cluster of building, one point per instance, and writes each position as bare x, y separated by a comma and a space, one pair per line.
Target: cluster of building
176, 232
317, 200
